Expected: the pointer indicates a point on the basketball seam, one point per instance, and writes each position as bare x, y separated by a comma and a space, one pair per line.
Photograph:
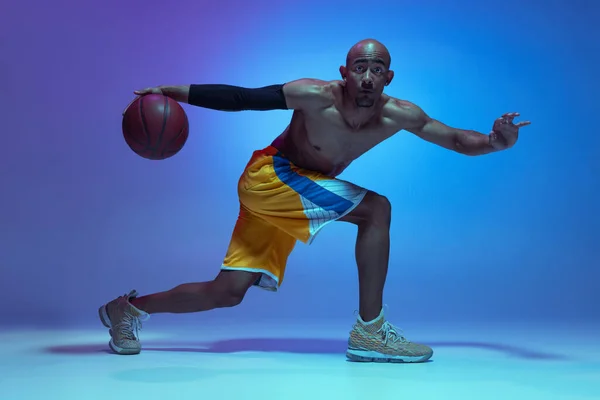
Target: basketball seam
141, 108
166, 115
178, 135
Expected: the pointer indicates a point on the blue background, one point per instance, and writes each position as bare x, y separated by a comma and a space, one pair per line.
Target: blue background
511, 236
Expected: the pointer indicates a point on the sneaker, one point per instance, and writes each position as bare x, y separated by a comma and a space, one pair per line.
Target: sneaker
124, 322
380, 341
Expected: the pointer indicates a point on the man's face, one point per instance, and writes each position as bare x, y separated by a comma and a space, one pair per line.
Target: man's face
366, 76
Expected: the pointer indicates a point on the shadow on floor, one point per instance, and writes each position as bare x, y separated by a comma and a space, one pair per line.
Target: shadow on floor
295, 346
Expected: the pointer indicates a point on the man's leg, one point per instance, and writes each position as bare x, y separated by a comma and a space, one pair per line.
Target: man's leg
373, 338
257, 254
123, 316
226, 290
373, 218
301, 202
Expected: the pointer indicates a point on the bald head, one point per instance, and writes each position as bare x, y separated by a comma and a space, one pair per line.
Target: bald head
369, 48
367, 72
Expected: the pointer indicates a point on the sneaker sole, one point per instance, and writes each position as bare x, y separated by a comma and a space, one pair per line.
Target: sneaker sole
122, 351
357, 355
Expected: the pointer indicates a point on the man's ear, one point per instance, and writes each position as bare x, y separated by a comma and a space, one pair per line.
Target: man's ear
390, 77
343, 72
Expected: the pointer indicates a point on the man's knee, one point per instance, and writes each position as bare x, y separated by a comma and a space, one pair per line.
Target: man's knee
229, 287
382, 210
227, 296
226, 299
376, 210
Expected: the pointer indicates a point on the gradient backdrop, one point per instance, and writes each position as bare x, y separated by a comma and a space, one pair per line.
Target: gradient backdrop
505, 237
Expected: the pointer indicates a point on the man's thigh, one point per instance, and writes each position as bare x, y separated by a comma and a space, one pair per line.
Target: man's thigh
259, 249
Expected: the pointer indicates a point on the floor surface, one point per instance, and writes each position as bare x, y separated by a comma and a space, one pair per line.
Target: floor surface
238, 362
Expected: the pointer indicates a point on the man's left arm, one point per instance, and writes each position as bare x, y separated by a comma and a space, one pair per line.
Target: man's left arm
412, 118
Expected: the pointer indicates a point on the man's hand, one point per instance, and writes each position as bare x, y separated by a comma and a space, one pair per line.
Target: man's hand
143, 92
151, 90
505, 133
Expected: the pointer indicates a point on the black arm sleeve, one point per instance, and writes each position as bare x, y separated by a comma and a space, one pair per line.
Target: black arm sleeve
235, 98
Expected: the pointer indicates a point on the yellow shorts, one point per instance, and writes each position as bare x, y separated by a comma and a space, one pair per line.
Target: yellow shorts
280, 204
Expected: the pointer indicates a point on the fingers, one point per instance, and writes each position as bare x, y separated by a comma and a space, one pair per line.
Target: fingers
522, 124
152, 90
509, 117
143, 92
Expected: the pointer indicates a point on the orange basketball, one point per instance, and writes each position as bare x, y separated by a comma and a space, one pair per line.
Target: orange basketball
155, 126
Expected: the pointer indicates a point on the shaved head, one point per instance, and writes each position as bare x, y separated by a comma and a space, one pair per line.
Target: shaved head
367, 72
369, 48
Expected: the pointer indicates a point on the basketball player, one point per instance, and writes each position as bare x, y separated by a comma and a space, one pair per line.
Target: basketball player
289, 191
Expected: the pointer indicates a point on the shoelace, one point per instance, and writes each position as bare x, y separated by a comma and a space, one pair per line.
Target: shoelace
130, 326
390, 333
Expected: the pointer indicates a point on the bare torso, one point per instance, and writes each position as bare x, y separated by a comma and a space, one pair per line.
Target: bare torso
327, 140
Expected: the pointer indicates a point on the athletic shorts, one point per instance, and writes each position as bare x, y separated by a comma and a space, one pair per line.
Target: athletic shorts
280, 204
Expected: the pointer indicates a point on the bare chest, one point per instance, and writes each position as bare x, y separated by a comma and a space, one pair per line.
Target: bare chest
336, 140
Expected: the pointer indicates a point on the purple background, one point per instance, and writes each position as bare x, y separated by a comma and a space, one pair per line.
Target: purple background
511, 236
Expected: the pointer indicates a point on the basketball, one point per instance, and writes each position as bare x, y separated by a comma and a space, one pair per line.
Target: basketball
155, 126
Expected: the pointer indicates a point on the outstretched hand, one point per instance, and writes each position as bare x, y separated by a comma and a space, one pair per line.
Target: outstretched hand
143, 92
151, 90
505, 133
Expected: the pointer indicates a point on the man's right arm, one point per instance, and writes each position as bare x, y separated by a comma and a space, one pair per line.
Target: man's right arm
302, 94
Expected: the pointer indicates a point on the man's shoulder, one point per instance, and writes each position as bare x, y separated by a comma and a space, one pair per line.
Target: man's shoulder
321, 88
401, 113
394, 106
310, 94
315, 84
